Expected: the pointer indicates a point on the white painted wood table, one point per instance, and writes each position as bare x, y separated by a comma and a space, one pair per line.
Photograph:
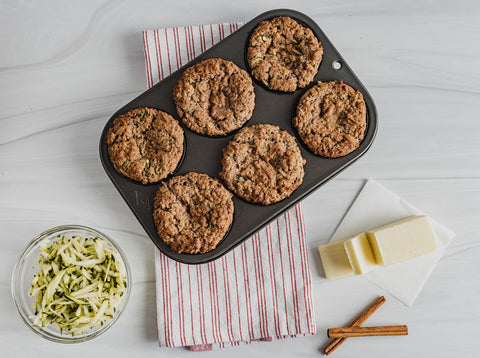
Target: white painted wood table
66, 66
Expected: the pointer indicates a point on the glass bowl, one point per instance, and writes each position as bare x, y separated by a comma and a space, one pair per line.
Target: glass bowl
28, 265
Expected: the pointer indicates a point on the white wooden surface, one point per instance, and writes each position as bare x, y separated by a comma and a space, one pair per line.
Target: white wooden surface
66, 66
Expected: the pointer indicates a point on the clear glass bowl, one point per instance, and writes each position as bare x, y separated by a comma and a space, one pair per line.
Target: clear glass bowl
27, 266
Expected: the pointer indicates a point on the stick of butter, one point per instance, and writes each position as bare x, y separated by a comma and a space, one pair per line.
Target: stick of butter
360, 253
386, 245
402, 240
335, 260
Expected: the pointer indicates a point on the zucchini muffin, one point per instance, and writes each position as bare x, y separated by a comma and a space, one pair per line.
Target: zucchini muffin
214, 97
331, 119
192, 213
262, 164
284, 55
145, 144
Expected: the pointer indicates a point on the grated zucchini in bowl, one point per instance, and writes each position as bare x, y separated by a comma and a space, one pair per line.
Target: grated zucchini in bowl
79, 284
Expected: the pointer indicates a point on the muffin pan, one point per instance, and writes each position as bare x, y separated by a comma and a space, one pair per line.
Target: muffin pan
203, 154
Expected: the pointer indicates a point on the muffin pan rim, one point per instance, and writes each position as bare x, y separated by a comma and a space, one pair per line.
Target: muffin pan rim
139, 197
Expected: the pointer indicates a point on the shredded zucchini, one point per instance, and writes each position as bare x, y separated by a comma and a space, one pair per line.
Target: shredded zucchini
79, 284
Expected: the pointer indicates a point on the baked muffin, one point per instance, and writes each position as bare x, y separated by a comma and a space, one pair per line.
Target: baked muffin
262, 164
331, 119
192, 213
214, 97
283, 55
145, 144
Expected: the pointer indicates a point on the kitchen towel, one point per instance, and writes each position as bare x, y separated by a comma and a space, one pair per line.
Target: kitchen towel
259, 291
376, 206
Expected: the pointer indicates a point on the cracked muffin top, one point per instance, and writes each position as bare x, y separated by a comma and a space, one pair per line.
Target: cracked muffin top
262, 164
214, 97
331, 119
283, 55
192, 213
145, 144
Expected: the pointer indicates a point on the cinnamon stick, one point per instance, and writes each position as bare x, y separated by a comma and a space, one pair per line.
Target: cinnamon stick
357, 322
368, 331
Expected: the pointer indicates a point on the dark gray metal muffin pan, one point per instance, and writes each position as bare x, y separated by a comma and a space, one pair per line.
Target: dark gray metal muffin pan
203, 154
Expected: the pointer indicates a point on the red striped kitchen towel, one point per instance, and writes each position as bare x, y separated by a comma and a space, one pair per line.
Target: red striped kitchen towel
259, 291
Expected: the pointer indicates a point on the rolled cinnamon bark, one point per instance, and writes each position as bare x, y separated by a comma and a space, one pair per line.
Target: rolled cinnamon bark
361, 319
342, 332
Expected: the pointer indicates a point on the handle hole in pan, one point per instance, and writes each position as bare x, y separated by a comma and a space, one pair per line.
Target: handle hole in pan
336, 65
